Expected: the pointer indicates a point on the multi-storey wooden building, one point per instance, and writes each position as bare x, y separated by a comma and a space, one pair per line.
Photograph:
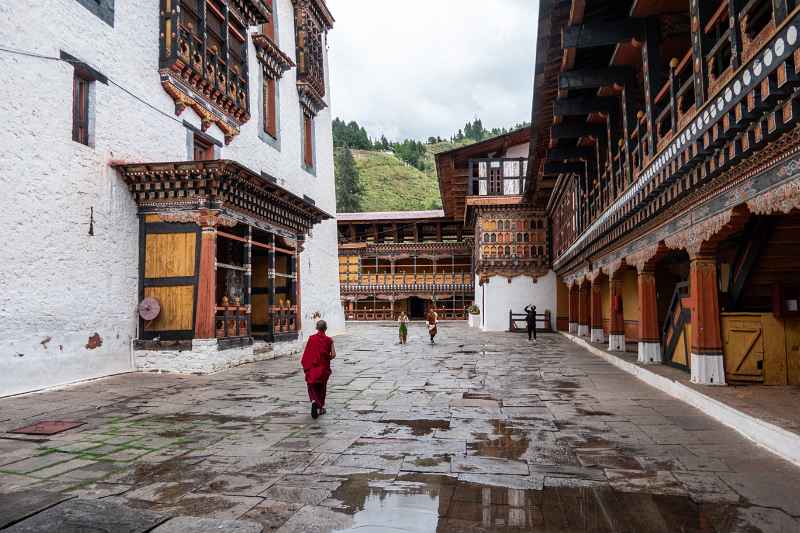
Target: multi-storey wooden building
410, 262
182, 151
484, 188
666, 154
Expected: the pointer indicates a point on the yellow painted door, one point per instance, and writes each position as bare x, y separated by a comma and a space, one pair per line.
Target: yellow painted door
744, 348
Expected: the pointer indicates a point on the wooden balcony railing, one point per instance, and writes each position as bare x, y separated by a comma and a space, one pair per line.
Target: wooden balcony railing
675, 102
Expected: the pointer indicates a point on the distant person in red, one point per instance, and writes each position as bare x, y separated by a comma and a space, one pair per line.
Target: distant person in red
317, 367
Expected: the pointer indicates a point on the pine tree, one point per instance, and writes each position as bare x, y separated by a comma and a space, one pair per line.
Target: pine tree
348, 184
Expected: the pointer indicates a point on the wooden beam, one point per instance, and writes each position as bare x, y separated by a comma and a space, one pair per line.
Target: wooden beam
570, 154
577, 129
592, 78
601, 33
553, 167
583, 105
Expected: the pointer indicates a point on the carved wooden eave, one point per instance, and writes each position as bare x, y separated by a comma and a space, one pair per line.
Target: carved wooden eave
220, 111
310, 99
274, 63
224, 185
251, 12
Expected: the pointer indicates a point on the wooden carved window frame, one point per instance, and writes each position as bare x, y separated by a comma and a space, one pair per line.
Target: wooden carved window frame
203, 63
81, 88
274, 63
312, 21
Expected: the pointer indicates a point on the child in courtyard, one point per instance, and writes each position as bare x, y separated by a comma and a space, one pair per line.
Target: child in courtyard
403, 321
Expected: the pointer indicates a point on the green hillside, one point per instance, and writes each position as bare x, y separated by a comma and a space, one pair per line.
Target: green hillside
389, 184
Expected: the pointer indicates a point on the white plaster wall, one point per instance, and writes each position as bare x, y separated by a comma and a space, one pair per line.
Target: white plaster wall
498, 296
60, 285
518, 150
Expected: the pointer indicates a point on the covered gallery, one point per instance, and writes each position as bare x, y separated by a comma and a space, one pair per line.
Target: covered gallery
404, 262
219, 250
666, 154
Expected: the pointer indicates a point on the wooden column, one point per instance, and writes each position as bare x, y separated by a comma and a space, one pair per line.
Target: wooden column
596, 333
653, 79
583, 309
616, 337
573, 309
649, 338
206, 307
707, 362
699, 12
248, 279
271, 278
297, 288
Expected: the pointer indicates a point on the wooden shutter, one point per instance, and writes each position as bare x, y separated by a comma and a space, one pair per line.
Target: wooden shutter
80, 109
308, 144
268, 29
270, 108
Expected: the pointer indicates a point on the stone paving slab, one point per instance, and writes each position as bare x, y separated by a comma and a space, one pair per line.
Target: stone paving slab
185, 524
79, 516
17, 506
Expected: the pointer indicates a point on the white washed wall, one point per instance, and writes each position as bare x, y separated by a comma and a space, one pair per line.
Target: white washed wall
59, 285
499, 295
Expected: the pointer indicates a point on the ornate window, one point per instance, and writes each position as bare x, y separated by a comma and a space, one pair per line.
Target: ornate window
204, 58
274, 63
311, 20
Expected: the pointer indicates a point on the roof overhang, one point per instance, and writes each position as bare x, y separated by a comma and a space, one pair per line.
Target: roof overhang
218, 184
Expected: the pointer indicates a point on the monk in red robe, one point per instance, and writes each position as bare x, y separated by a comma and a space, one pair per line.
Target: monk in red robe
316, 363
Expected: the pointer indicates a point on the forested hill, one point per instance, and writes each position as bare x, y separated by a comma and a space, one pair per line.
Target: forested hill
380, 175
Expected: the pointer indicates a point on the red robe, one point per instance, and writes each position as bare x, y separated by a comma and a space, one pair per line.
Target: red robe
316, 359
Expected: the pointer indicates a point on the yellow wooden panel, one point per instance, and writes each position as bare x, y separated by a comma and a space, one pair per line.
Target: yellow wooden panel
630, 295
743, 347
259, 271
169, 255
152, 218
792, 328
774, 350
177, 306
680, 355
259, 302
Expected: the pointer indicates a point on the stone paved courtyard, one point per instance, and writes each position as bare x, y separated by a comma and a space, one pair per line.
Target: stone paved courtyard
481, 432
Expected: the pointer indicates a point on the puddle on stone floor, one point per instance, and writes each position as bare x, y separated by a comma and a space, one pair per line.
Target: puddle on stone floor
420, 428
426, 503
505, 442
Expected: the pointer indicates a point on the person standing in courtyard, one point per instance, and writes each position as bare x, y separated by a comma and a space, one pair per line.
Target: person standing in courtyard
316, 363
530, 321
403, 320
433, 322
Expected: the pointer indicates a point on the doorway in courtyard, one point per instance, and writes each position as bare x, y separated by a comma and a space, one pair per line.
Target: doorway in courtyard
417, 308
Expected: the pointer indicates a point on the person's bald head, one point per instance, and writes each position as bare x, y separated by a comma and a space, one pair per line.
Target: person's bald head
322, 326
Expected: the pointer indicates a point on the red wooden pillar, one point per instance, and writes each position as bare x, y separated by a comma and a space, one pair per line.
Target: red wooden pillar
616, 335
573, 308
206, 308
707, 361
649, 338
583, 309
596, 333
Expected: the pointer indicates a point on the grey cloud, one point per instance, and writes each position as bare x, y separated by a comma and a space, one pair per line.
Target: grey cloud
419, 68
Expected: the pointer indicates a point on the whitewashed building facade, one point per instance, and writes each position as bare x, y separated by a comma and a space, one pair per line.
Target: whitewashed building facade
104, 102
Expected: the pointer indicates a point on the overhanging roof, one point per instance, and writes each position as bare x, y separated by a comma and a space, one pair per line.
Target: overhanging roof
390, 216
452, 167
223, 184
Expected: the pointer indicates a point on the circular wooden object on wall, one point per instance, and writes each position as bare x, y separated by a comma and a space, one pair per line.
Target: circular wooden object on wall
149, 308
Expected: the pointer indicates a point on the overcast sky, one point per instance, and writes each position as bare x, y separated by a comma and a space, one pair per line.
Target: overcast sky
420, 68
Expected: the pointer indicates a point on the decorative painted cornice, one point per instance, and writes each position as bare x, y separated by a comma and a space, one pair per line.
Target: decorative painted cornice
209, 113
693, 237
274, 63
640, 258
782, 199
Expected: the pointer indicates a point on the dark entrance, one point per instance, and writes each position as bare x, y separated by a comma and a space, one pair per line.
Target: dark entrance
416, 308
